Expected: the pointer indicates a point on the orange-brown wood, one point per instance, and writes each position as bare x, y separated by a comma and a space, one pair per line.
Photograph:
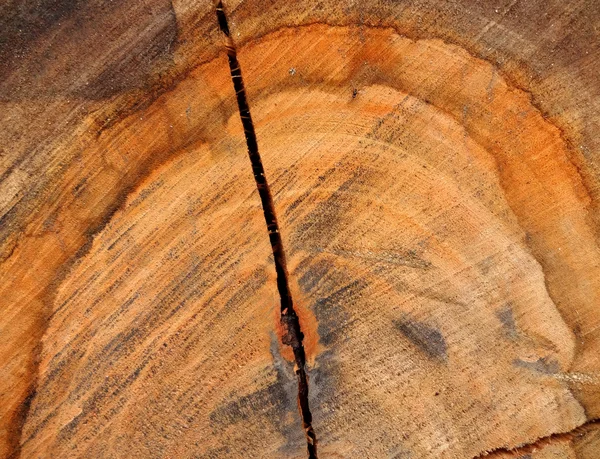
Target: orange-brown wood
433, 170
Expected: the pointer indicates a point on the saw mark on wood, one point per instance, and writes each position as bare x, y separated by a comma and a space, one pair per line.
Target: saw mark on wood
535, 445
292, 334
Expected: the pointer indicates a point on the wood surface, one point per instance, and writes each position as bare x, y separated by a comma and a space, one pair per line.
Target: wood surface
434, 168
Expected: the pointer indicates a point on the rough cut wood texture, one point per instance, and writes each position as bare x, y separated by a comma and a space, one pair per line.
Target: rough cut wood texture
435, 172
583, 442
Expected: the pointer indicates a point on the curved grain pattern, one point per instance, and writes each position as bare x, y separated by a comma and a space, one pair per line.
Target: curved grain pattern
169, 316
433, 171
69, 71
434, 240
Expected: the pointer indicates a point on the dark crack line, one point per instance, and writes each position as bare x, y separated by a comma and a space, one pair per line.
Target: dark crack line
292, 334
543, 441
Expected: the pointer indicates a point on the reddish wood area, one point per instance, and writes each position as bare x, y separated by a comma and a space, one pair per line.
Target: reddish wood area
434, 169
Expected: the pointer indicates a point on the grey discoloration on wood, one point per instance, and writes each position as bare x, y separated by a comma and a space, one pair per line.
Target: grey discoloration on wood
323, 224
427, 338
338, 290
97, 56
277, 400
543, 365
506, 316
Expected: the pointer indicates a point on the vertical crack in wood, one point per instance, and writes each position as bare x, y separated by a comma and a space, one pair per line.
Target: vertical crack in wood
292, 334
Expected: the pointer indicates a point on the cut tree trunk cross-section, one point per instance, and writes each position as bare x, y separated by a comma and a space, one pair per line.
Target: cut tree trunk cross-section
433, 176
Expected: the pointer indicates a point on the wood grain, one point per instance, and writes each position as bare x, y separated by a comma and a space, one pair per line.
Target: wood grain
582, 442
434, 171
55, 196
423, 228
